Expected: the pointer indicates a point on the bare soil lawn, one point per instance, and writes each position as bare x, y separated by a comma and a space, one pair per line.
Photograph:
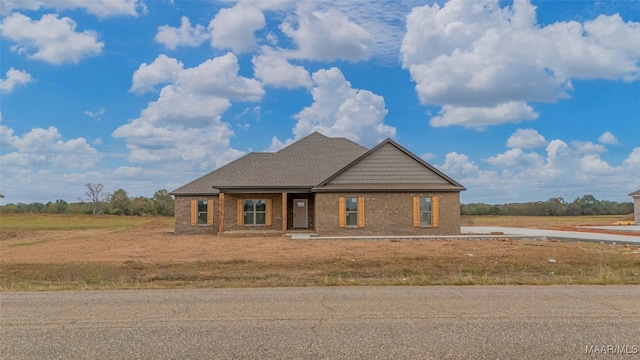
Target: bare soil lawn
148, 255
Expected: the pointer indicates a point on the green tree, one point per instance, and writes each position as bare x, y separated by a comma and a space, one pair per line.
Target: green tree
141, 206
163, 203
120, 204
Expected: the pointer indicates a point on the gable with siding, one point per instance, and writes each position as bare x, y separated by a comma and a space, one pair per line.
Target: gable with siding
389, 166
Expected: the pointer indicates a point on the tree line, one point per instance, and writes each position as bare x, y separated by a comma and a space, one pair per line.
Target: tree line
585, 205
97, 201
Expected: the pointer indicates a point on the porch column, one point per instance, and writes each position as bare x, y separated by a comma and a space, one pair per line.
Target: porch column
221, 207
284, 211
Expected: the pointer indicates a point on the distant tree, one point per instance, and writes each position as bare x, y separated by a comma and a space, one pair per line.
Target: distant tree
120, 203
141, 206
96, 196
163, 203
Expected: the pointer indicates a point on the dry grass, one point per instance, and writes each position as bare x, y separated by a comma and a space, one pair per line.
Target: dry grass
148, 256
542, 222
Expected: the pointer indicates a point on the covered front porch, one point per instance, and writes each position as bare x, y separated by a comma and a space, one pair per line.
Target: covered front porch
245, 212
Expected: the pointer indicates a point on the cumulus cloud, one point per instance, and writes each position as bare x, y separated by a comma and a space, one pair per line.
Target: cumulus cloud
526, 139
474, 55
459, 165
162, 70
44, 148
184, 124
14, 79
327, 35
560, 169
515, 158
219, 77
234, 28
633, 161
481, 117
342, 111
100, 8
185, 35
50, 39
587, 147
276, 71
608, 138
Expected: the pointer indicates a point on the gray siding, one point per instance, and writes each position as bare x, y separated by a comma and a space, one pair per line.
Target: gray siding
388, 165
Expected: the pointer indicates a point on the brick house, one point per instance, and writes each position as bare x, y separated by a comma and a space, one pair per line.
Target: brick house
636, 206
323, 185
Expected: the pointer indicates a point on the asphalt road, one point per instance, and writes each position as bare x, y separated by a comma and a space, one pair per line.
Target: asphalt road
478, 322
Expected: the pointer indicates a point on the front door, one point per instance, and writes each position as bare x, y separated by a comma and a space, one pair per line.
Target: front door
300, 214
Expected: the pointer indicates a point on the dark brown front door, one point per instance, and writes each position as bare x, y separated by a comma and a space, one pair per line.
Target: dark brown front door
300, 214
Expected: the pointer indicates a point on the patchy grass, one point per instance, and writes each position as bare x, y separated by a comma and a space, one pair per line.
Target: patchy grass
74, 222
542, 222
28, 243
113, 252
450, 263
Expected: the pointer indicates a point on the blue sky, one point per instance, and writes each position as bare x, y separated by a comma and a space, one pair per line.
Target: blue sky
518, 101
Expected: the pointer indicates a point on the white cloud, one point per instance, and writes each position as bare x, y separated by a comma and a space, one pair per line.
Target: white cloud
14, 79
428, 156
593, 165
560, 170
219, 77
205, 147
468, 54
459, 165
128, 171
100, 8
526, 139
481, 117
44, 148
608, 138
184, 124
185, 35
341, 111
515, 158
234, 28
633, 161
587, 147
95, 114
327, 35
178, 105
275, 70
54, 40
162, 70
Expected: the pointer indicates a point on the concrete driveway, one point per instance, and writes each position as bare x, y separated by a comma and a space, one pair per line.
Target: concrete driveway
632, 238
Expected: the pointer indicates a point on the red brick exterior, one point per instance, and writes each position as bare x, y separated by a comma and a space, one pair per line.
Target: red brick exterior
387, 214
182, 216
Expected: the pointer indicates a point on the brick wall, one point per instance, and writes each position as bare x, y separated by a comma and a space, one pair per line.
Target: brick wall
182, 216
387, 214
230, 212
636, 209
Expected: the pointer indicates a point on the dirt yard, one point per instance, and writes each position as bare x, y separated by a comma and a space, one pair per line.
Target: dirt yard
150, 255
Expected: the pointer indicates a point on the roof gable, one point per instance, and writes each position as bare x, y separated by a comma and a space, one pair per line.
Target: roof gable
304, 163
389, 165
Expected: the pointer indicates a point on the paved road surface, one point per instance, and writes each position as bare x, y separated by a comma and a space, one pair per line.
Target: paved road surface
482, 322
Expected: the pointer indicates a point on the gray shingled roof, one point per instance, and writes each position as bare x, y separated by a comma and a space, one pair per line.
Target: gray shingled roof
305, 163
635, 193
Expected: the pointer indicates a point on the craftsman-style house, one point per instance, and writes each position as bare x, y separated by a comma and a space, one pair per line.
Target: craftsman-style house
323, 185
